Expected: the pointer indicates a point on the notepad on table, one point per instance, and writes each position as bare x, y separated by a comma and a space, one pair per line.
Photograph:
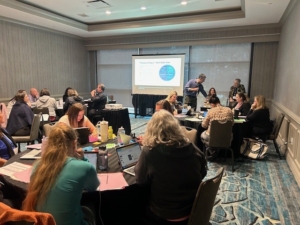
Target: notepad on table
111, 181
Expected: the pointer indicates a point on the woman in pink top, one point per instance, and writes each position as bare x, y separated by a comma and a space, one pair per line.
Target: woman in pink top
75, 118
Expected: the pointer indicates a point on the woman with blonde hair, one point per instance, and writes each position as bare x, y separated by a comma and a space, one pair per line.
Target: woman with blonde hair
172, 166
60, 177
259, 117
172, 99
75, 118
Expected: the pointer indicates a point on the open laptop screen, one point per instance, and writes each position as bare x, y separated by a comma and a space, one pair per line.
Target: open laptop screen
92, 157
129, 154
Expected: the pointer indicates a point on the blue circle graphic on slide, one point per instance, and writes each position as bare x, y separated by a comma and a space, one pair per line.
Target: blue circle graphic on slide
167, 72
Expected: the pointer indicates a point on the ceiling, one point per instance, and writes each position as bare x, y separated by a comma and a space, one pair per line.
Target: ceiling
86, 19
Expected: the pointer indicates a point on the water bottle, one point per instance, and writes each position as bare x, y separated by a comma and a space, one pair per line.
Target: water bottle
102, 159
120, 131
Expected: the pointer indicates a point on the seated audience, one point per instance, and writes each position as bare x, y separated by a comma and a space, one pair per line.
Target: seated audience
68, 174
166, 151
259, 117
7, 144
46, 101
73, 98
34, 95
21, 116
99, 100
3, 110
211, 93
163, 104
241, 104
217, 112
172, 99
65, 96
75, 118
237, 87
12, 102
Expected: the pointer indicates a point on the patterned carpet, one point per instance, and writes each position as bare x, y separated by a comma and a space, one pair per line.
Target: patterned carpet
260, 192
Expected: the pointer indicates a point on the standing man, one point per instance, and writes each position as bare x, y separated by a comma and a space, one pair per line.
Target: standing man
34, 95
237, 87
192, 88
99, 100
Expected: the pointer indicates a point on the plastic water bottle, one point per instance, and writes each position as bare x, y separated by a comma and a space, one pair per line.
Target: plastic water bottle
121, 130
102, 159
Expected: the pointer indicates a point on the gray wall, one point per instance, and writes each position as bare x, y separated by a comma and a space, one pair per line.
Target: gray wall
287, 90
30, 57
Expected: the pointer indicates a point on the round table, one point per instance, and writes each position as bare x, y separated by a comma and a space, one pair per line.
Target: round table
113, 202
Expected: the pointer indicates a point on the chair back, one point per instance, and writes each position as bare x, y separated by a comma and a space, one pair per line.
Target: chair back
190, 133
220, 134
34, 132
47, 128
204, 201
45, 114
277, 125
9, 215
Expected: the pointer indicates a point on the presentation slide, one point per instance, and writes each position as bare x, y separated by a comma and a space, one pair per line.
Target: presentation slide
157, 74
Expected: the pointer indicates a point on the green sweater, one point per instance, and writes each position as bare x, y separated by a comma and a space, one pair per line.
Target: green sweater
63, 200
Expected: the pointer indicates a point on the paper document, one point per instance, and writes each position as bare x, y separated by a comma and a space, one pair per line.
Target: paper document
23, 176
193, 119
35, 146
111, 181
13, 168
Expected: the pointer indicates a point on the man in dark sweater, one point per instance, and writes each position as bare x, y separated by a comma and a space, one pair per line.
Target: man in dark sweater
99, 100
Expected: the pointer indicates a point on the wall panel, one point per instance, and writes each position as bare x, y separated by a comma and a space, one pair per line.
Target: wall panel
35, 58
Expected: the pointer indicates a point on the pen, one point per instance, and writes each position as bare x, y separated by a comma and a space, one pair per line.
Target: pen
106, 178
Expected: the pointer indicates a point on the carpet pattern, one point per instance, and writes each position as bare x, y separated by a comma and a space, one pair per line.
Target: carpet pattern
259, 192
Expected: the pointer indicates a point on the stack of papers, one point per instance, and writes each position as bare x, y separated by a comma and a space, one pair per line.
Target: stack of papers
17, 171
111, 181
239, 120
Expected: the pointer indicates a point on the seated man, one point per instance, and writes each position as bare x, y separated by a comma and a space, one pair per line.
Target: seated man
34, 95
236, 88
99, 100
217, 112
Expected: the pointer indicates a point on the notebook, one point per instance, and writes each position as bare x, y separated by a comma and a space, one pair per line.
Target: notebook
33, 154
83, 135
92, 157
129, 156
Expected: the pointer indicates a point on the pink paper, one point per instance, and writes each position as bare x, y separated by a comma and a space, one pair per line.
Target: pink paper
111, 181
35, 146
93, 139
23, 176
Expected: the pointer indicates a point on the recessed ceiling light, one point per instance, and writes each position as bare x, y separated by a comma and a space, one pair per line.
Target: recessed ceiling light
143, 8
108, 12
183, 2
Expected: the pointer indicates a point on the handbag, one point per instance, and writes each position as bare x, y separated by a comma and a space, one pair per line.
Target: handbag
254, 149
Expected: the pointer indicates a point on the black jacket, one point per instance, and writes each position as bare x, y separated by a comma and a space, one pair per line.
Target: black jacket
260, 121
72, 100
99, 101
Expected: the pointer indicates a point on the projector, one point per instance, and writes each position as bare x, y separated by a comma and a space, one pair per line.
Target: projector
113, 106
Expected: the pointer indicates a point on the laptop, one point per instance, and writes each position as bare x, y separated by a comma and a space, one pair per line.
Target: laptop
92, 157
83, 135
128, 156
33, 154
186, 112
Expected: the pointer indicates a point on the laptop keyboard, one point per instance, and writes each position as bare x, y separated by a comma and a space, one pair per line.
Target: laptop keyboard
131, 169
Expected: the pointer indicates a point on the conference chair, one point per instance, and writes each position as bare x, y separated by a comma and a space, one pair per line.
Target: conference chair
274, 134
34, 132
204, 201
190, 133
220, 138
12, 216
47, 128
